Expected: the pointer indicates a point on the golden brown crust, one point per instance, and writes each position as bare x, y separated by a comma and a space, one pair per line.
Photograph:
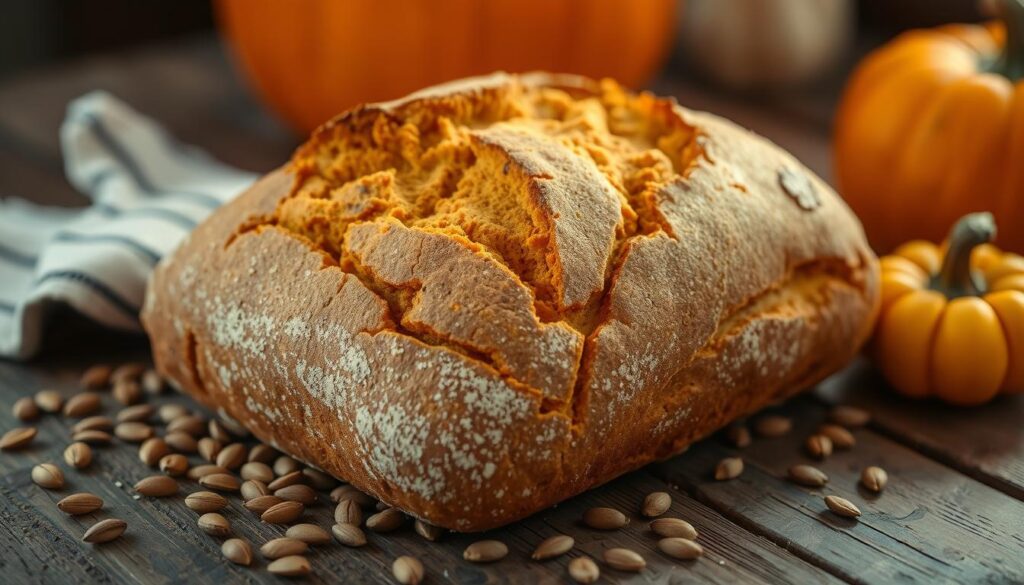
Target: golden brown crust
487, 297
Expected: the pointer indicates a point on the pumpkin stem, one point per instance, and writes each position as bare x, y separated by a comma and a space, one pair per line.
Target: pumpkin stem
955, 278
1011, 62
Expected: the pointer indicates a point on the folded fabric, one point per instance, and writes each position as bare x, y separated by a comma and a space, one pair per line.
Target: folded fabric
148, 191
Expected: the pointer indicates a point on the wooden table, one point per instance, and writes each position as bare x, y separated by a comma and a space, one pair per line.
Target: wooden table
953, 510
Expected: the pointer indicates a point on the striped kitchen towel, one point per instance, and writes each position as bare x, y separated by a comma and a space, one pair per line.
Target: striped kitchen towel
148, 191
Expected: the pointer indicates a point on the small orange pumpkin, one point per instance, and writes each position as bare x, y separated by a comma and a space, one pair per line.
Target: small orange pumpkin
311, 59
931, 127
952, 326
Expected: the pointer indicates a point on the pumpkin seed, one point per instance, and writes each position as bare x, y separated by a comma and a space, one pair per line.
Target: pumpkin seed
18, 438
284, 465
624, 559
200, 471
222, 482
283, 547
874, 478
78, 455
293, 566
93, 423
152, 382
656, 504
850, 417
807, 475
485, 551
129, 371
350, 492
261, 504
181, 442
237, 551
191, 424
80, 503
729, 468
407, 570
818, 446
214, 524
48, 475
169, 412
105, 531
25, 409
349, 535
258, 471
133, 432
254, 488
174, 464
738, 435
842, 506
605, 518
841, 438
552, 547
232, 456
386, 521
82, 404
309, 533
92, 437
127, 392
96, 377
348, 512
153, 450
137, 413
263, 454
204, 502
283, 513
217, 431
49, 401
286, 480
318, 480
673, 528
428, 531
773, 425
584, 570
157, 486
680, 548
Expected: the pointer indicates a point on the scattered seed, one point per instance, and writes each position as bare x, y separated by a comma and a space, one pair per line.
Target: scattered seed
181, 442
428, 531
137, 413
673, 528
485, 551
258, 471
25, 409
105, 531
656, 504
174, 464
348, 512
93, 423
192, 424
217, 431
729, 468
318, 480
874, 478
841, 438
129, 371
605, 518
82, 404
349, 535
237, 551
283, 513
153, 450
214, 524
168, 412
233, 427
263, 454
290, 478
133, 432
850, 417
208, 448
773, 425
127, 392
49, 401
232, 456
48, 475
254, 488
222, 482
78, 455
350, 492
680, 548
93, 437
283, 547
204, 502
842, 506
624, 559
584, 570
293, 566
152, 382
553, 547
18, 438
157, 486
80, 503
261, 504
818, 446
738, 435
807, 475
385, 521
199, 471
309, 533
96, 377
284, 465
407, 570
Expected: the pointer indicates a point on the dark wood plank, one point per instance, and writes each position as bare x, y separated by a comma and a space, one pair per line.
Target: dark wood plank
931, 524
986, 442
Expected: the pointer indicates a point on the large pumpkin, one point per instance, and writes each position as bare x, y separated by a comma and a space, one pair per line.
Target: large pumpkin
931, 127
310, 59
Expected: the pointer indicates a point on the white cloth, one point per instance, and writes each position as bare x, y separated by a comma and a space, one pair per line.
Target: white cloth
148, 191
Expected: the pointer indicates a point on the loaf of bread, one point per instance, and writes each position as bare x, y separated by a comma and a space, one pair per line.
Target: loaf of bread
494, 294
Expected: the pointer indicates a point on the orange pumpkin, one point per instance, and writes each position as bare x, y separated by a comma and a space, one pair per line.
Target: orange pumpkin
931, 127
310, 59
952, 326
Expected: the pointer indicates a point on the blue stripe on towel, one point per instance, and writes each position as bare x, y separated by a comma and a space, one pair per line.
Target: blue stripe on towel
168, 215
17, 258
145, 252
96, 286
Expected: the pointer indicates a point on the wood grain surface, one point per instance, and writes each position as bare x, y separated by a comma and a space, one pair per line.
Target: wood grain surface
953, 511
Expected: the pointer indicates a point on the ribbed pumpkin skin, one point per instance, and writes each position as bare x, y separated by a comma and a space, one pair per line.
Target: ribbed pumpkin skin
311, 59
925, 134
